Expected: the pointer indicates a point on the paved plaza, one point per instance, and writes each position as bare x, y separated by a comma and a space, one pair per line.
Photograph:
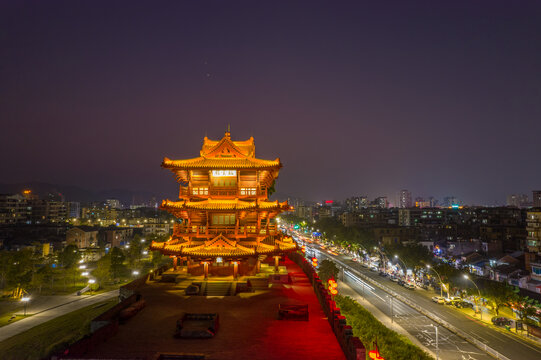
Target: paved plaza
249, 328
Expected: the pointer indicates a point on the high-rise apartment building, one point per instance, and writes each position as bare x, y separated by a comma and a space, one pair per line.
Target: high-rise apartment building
113, 203
517, 200
536, 198
404, 200
381, 202
13, 209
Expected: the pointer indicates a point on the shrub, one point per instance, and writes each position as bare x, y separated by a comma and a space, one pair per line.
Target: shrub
365, 326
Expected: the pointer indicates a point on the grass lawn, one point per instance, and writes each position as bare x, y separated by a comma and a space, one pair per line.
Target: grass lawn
5, 318
53, 335
61, 289
8, 308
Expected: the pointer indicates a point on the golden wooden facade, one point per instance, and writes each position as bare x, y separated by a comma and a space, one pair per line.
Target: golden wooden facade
223, 209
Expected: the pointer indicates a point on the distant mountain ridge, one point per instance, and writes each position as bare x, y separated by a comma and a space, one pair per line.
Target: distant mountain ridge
75, 193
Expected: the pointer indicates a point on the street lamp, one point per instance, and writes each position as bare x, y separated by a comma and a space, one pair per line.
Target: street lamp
25, 300
437, 346
439, 277
403, 262
90, 283
382, 259
479, 292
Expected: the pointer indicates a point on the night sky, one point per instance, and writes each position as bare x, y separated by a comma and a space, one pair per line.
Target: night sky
356, 98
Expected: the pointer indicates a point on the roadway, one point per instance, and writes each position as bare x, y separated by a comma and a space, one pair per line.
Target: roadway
57, 309
420, 326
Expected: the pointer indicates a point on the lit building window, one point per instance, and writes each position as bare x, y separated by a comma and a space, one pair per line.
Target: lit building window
225, 182
200, 191
223, 219
248, 191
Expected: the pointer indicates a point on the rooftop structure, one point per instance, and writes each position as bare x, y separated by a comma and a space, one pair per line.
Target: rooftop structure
223, 210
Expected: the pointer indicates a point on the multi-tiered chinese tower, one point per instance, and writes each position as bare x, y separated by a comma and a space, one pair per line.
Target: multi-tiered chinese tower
224, 213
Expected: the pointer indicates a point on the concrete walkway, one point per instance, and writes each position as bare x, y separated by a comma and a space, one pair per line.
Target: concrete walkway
47, 310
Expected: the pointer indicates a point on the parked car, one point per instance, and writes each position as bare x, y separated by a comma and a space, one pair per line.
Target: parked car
401, 282
394, 278
409, 286
438, 299
501, 321
452, 300
463, 304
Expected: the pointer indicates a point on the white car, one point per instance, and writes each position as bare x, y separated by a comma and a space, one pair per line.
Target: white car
438, 299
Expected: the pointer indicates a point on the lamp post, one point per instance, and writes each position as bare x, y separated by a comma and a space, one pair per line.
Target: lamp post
25, 300
439, 277
382, 259
403, 262
479, 292
437, 346
391, 306
90, 283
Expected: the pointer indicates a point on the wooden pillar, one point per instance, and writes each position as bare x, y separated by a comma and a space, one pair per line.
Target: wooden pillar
175, 263
235, 269
276, 263
258, 266
207, 228
206, 264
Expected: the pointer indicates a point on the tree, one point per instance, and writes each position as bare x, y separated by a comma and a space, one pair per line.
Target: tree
6, 262
157, 258
415, 255
69, 256
524, 306
133, 253
117, 263
498, 294
103, 272
20, 273
327, 270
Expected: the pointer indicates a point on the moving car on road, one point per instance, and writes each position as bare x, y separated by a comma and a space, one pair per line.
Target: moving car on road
438, 299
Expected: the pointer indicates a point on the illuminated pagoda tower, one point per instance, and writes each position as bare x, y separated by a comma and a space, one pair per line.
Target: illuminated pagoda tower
225, 220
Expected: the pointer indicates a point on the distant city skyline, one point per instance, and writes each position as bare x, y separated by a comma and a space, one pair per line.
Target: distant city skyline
441, 99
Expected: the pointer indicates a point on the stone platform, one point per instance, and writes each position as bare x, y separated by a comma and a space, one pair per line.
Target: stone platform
249, 325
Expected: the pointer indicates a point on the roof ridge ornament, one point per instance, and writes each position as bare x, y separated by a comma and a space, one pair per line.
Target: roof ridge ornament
228, 132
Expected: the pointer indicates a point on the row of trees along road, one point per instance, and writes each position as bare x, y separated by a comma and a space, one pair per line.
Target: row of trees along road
28, 271
416, 257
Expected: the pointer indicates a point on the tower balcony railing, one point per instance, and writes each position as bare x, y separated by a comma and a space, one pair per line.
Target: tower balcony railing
245, 230
240, 191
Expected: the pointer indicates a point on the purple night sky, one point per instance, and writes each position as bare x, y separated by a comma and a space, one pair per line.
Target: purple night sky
356, 98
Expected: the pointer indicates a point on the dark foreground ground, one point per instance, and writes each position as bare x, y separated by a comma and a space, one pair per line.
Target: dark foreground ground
249, 328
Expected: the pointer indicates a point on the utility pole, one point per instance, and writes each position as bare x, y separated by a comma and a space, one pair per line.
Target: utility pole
391, 306
437, 346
